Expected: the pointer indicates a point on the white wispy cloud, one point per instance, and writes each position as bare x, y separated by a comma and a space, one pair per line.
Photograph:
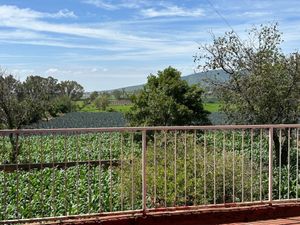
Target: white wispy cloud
51, 70
25, 14
110, 5
63, 13
28, 19
101, 4
172, 11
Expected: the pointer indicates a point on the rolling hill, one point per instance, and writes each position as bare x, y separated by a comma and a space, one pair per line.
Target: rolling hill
196, 78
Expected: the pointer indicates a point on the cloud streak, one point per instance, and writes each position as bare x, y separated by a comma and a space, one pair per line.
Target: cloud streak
110, 5
27, 19
172, 11
26, 14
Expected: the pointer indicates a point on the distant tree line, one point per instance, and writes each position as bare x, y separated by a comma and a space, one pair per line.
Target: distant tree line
102, 99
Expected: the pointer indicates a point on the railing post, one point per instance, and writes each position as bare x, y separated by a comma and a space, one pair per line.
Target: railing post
270, 164
144, 185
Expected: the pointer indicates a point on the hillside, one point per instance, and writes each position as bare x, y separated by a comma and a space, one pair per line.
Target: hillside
195, 78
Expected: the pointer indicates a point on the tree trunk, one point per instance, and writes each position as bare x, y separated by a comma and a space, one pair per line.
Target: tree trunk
284, 148
14, 140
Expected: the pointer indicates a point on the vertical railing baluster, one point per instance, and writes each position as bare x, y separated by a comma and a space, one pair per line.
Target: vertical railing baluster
233, 167
260, 166
53, 183
175, 167
65, 177
289, 147
155, 169
100, 170
224, 168
30, 182
297, 163
132, 171
78, 148
110, 173
185, 167
17, 177
88, 173
42, 177
204, 170
122, 195
5, 202
29, 144
165, 167
280, 152
251, 166
214, 167
243, 136
144, 171
270, 164
195, 169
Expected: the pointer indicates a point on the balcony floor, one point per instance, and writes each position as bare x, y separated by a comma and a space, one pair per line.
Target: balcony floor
286, 221
279, 213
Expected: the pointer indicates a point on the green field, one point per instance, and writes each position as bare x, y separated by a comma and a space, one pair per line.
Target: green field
212, 107
183, 168
83, 120
92, 108
196, 178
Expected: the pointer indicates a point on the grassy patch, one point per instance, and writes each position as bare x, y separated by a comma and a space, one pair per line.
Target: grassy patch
212, 107
120, 108
92, 108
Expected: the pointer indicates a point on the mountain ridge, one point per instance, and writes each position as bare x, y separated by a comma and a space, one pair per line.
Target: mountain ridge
194, 78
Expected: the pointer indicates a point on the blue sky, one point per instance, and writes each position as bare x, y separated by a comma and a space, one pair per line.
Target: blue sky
106, 44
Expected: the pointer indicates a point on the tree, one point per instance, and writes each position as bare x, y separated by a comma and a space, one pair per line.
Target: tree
102, 102
117, 94
14, 110
13, 102
42, 92
93, 96
23, 103
72, 89
167, 100
264, 83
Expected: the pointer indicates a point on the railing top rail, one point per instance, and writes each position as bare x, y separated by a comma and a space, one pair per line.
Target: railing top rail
156, 128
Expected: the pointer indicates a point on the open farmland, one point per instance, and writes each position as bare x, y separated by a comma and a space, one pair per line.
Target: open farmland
183, 168
84, 120
100, 119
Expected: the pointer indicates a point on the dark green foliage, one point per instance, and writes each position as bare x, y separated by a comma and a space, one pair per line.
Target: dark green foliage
168, 100
200, 167
23, 103
102, 101
71, 89
117, 94
264, 83
93, 96
75, 190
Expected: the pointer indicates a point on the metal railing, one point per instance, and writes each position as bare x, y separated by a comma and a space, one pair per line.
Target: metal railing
54, 174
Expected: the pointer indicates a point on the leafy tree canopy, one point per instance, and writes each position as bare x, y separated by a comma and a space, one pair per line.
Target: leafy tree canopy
102, 101
72, 89
167, 100
27, 102
264, 83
